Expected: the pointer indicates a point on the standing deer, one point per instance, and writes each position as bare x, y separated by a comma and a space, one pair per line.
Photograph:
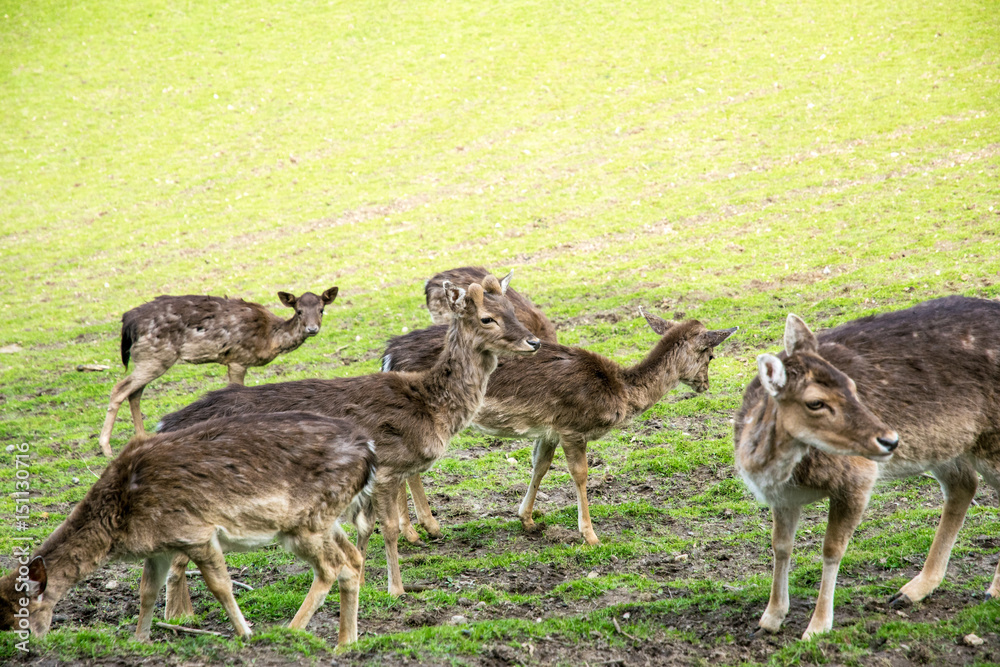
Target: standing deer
411, 416
225, 484
811, 426
568, 396
205, 329
527, 313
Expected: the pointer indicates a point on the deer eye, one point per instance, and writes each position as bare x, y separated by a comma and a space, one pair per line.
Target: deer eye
815, 405
487, 320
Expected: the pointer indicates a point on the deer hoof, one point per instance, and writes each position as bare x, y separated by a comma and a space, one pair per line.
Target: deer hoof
759, 632
900, 601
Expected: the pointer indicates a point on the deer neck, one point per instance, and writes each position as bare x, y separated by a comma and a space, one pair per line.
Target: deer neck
457, 382
287, 335
657, 374
766, 453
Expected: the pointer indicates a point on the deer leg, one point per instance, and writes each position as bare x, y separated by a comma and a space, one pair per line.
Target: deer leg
576, 459
212, 564
405, 527
990, 470
844, 516
422, 507
958, 484
387, 506
363, 536
541, 460
120, 392
236, 373
784, 521
322, 554
349, 581
154, 573
178, 596
133, 405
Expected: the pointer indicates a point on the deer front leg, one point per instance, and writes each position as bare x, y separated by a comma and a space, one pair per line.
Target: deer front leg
784, 521
387, 506
236, 373
422, 507
154, 573
844, 517
541, 461
178, 595
405, 527
576, 459
349, 584
958, 483
212, 564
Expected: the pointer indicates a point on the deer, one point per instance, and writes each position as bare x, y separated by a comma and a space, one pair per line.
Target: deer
200, 329
411, 416
225, 484
568, 396
883, 397
527, 313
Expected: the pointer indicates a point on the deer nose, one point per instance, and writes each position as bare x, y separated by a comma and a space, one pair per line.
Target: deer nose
889, 442
312, 329
534, 343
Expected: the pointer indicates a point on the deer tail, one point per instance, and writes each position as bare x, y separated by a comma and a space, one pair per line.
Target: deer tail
129, 335
361, 512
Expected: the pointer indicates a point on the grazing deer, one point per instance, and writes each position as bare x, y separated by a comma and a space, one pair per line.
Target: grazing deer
205, 329
225, 484
411, 416
568, 396
814, 424
527, 313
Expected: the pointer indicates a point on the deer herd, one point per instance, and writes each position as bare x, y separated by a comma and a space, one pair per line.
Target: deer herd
883, 397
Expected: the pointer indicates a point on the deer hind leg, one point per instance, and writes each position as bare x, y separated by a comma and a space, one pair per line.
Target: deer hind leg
958, 484
236, 373
541, 461
844, 516
784, 521
323, 555
349, 581
154, 573
422, 507
212, 564
178, 596
989, 467
405, 527
576, 459
134, 400
129, 387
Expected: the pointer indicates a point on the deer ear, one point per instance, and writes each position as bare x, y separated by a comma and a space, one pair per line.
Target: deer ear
714, 337
329, 295
287, 299
659, 325
454, 295
506, 281
798, 337
772, 373
37, 577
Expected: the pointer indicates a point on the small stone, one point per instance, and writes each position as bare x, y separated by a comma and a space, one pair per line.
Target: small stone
458, 619
511, 460
593, 574
972, 640
111, 585
76, 480
481, 604
10, 448
465, 602
680, 558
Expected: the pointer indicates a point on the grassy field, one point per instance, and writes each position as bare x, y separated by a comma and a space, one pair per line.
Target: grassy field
731, 162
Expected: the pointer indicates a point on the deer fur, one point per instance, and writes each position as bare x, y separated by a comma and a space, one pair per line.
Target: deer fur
527, 313
225, 484
411, 416
816, 423
205, 329
568, 396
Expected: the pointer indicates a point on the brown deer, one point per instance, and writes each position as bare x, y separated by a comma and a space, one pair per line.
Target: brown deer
568, 396
411, 416
225, 484
205, 329
815, 424
527, 313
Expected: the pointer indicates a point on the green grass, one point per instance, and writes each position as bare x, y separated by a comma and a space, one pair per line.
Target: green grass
730, 162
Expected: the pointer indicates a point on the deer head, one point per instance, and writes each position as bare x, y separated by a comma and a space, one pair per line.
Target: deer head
486, 311
697, 351
21, 597
309, 308
818, 405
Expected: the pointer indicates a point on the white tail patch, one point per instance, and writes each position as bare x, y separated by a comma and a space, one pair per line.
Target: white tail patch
387, 363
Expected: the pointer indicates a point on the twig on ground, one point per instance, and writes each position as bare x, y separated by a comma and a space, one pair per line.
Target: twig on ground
87, 466
240, 584
181, 628
621, 632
